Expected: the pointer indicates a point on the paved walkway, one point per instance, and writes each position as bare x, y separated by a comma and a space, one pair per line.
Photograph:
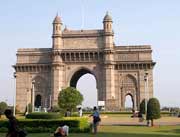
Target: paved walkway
128, 121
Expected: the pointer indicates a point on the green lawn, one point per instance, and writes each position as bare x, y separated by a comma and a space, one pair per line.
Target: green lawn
125, 131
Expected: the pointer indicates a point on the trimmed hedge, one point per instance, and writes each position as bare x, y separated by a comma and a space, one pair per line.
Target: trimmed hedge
125, 112
42, 125
165, 113
106, 112
38, 115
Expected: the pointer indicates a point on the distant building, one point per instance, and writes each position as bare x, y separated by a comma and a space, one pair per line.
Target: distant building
119, 70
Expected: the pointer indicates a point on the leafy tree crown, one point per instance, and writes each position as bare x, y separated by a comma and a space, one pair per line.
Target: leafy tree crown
142, 107
3, 107
69, 98
153, 109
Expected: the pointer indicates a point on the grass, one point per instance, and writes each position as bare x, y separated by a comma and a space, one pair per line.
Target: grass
125, 131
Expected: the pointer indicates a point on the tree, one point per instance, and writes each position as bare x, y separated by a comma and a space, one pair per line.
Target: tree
3, 107
153, 110
142, 107
69, 98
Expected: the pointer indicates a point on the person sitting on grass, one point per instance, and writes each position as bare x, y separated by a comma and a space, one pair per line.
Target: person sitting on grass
62, 131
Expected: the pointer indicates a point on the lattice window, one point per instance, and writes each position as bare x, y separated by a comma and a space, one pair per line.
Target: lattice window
40, 84
128, 82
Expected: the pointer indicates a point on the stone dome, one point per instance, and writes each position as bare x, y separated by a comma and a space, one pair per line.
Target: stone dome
107, 17
57, 19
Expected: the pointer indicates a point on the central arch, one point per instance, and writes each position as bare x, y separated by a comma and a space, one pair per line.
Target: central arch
78, 78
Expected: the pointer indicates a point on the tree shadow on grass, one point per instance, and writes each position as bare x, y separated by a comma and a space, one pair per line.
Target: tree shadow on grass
109, 134
176, 131
101, 134
133, 135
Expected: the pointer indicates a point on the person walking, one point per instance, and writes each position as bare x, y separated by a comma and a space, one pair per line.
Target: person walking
68, 113
80, 112
96, 120
13, 129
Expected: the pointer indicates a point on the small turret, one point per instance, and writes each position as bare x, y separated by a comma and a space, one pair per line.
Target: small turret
108, 32
107, 22
57, 33
57, 25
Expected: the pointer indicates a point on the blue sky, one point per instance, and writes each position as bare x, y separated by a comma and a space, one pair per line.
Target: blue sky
28, 24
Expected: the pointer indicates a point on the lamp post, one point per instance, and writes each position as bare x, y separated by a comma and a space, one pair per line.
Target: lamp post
50, 101
27, 102
33, 82
14, 98
146, 92
120, 98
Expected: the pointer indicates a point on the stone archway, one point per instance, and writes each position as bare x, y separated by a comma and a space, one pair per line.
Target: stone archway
129, 87
42, 92
93, 49
131, 99
77, 76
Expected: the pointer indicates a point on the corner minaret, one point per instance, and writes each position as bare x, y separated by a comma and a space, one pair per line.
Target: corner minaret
57, 72
107, 23
108, 32
57, 33
109, 71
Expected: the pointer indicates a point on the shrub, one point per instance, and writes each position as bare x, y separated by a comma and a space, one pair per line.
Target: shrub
142, 107
75, 114
56, 109
3, 107
165, 113
153, 110
42, 125
109, 112
40, 115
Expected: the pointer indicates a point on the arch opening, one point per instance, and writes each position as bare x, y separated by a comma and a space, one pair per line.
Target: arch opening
38, 101
42, 92
129, 102
77, 75
129, 89
85, 82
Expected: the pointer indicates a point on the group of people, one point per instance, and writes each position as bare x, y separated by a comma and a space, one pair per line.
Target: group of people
15, 131
68, 113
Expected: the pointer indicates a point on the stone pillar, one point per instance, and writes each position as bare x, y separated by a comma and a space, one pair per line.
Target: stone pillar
57, 82
135, 102
109, 87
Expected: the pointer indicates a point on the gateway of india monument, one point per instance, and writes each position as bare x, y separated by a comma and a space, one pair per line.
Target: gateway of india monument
119, 71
